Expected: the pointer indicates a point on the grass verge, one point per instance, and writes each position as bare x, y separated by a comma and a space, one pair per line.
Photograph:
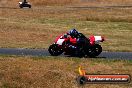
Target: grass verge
57, 72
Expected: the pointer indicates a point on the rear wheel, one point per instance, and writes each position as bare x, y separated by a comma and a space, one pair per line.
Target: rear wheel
94, 50
54, 50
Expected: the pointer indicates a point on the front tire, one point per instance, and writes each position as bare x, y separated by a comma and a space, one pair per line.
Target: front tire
54, 50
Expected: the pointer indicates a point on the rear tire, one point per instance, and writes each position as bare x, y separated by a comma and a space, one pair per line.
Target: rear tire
54, 50
94, 50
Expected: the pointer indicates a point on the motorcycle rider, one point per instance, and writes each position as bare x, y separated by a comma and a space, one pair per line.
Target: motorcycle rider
73, 33
77, 40
72, 36
79, 37
24, 1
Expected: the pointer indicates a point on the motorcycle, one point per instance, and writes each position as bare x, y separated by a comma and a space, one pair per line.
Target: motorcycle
88, 47
24, 4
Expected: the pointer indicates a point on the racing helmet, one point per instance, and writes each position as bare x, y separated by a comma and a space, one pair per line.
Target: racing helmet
73, 32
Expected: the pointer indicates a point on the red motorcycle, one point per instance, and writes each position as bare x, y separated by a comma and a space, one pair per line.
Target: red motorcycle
87, 47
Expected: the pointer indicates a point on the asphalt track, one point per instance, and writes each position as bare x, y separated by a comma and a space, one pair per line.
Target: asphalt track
44, 52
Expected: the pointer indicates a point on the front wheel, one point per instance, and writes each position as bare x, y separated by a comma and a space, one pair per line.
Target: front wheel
54, 50
94, 50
